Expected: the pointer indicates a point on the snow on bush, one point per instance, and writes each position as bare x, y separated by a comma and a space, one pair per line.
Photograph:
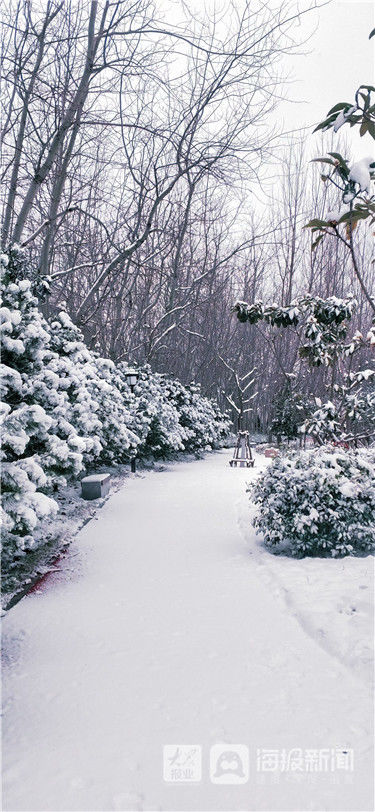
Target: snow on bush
318, 502
40, 447
170, 417
205, 426
64, 409
155, 418
98, 395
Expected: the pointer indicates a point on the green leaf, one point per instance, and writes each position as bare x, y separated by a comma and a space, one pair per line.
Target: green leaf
322, 161
338, 107
316, 224
341, 161
339, 158
326, 123
354, 119
361, 207
372, 34
316, 242
363, 128
354, 216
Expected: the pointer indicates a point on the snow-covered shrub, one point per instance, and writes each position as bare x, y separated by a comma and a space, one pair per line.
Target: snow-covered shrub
37, 404
290, 407
97, 393
23, 505
35, 452
155, 418
205, 425
118, 440
170, 417
318, 502
351, 415
65, 409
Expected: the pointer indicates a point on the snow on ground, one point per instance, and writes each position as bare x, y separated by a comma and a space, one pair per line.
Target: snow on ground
57, 531
333, 599
167, 624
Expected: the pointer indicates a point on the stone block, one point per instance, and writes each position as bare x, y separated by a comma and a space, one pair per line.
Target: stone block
95, 486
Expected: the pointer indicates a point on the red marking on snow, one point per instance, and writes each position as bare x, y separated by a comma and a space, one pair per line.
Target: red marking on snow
46, 575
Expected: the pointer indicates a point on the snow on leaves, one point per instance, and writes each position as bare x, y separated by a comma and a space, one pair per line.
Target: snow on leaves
324, 322
318, 502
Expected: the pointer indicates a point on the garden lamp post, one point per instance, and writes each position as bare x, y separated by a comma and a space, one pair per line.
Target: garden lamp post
132, 376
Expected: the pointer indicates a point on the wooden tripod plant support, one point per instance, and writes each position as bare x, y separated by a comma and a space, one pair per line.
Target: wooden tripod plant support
242, 453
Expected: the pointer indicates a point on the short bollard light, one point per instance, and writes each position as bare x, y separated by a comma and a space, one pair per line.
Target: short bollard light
132, 376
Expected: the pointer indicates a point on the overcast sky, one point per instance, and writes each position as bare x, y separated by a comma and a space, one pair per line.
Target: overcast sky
337, 59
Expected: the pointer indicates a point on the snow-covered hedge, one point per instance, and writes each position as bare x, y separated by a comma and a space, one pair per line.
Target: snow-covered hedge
41, 447
318, 502
64, 410
201, 418
171, 417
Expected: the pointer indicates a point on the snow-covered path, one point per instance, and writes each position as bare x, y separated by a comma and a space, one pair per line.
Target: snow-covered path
159, 629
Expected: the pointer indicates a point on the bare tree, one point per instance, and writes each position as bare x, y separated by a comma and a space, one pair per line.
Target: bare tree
130, 147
